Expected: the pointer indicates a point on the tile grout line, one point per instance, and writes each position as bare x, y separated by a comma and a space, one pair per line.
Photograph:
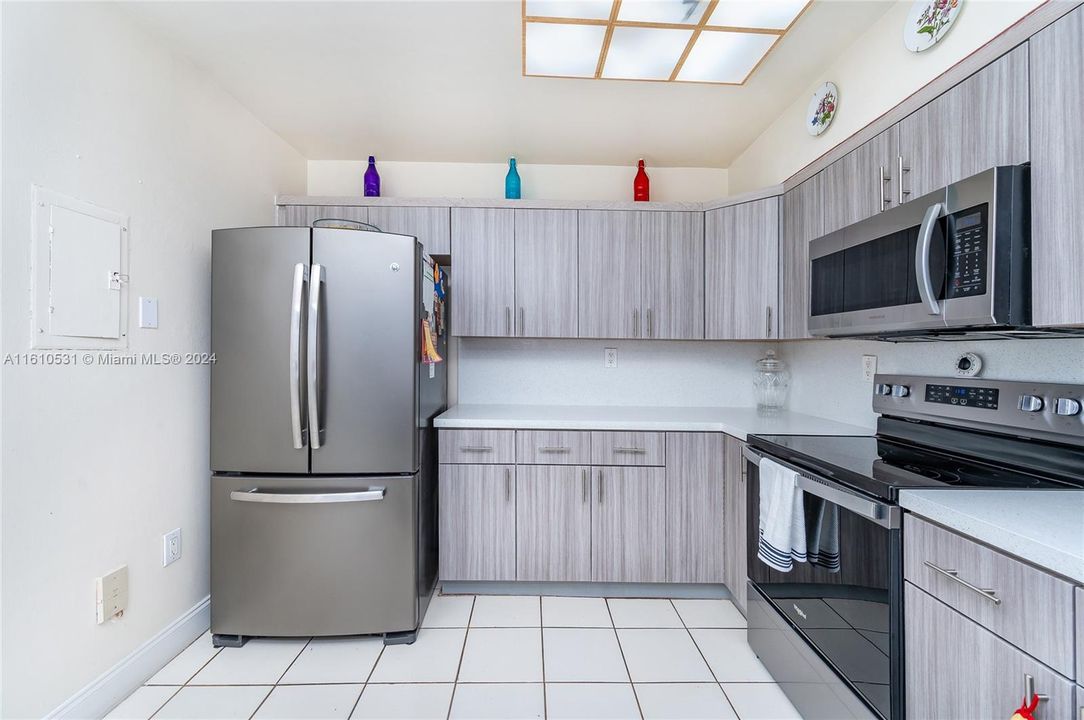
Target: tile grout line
282, 675
705, 659
159, 708
542, 645
365, 683
190, 677
462, 652
625, 662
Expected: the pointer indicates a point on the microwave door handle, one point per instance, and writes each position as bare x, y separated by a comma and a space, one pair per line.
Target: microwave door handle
316, 282
922, 258
301, 278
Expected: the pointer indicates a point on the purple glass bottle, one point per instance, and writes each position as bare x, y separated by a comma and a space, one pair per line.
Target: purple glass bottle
372, 179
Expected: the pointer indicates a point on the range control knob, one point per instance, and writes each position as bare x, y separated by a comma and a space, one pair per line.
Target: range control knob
1030, 403
900, 391
882, 389
1067, 406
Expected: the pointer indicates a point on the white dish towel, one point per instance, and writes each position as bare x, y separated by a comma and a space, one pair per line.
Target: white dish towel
783, 538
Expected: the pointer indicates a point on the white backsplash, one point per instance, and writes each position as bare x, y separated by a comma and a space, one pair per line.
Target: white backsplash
826, 374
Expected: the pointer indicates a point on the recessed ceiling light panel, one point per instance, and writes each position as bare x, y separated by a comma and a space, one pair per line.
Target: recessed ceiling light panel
577, 9
725, 57
765, 14
638, 53
686, 12
563, 50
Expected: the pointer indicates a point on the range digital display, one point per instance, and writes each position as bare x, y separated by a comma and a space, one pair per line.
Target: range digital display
977, 397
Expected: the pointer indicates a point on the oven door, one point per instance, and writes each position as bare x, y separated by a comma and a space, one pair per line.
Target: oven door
833, 632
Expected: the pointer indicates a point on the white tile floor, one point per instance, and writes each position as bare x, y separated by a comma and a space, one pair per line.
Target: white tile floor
488, 657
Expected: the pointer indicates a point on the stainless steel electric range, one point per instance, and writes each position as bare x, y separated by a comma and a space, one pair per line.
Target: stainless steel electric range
833, 636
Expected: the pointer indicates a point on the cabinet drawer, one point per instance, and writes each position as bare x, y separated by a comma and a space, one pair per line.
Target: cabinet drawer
957, 669
1028, 607
553, 447
477, 446
628, 448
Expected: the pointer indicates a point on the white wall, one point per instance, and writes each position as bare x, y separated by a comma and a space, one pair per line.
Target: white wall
873, 74
540, 182
99, 462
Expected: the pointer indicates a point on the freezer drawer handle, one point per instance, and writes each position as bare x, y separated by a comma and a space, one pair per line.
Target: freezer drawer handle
255, 496
316, 281
301, 277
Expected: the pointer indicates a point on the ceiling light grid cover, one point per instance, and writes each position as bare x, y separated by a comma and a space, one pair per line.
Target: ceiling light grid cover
720, 42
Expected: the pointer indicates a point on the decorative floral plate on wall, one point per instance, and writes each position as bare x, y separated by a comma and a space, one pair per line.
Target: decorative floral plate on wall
928, 22
822, 108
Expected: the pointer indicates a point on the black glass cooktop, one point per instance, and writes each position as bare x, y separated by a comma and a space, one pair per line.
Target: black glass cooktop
884, 464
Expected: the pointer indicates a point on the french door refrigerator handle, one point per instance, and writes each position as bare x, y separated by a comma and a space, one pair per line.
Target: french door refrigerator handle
316, 283
301, 277
256, 496
922, 258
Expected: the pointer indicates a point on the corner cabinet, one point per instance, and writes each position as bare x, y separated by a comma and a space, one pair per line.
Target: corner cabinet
696, 521
803, 221
483, 252
741, 263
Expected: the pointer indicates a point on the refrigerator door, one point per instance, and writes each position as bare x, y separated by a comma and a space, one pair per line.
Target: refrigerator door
364, 325
312, 556
258, 291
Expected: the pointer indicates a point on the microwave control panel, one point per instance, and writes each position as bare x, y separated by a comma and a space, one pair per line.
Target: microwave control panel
968, 248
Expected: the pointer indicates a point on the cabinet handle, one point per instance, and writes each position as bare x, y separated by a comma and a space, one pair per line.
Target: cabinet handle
522, 322
507, 484
899, 178
584, 482
476, 448
987, 593
599, 487
768, 321
636, 322
881, 187
554, 449
1029, 689
630, 451
650, 323
508, 320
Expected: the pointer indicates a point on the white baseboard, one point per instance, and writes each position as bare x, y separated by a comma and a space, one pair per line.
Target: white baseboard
120, 681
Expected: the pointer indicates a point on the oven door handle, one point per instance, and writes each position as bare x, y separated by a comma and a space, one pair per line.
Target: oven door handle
922, 258
883, 514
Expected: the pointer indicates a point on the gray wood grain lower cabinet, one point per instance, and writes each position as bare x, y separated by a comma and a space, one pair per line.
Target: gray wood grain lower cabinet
696, 526
628, 448
483, 245
553, 447
735, 570
609, 274
1057, 172
431, 225
471, 446
803, 220
977, 124
742, 268
628, 536
477, 525
672, 271
546, 272
304, 215
957, 669
553, 523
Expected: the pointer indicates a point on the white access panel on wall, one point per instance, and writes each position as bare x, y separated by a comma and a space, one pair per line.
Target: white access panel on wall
79, 276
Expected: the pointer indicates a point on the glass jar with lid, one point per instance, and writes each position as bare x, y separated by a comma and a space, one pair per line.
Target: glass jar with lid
771, 382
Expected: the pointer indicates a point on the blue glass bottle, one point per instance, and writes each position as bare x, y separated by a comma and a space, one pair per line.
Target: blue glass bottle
511, 181
372, 179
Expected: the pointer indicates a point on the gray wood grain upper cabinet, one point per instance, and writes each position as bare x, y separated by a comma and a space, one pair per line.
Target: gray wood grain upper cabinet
734, 522
695, 529
862, 183
1057, 172
431, 225
553, 523
742, 268
672, 268
957, 669
609, 274
803, 220
304, 215
483, 245
477, 524
546, 270
628, 536
977, 124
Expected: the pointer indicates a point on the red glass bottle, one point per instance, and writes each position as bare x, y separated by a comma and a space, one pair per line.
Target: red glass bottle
640, 185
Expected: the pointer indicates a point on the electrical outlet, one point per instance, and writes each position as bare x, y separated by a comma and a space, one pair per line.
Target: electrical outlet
171, 547
869, 367
112, 594
610, 357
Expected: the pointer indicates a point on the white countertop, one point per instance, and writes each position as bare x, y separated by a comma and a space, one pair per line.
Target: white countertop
736, 421
1044, 527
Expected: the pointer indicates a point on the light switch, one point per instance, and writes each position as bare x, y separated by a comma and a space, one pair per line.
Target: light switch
148, 312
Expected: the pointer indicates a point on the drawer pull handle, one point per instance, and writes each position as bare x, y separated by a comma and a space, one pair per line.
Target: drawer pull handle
630, 450
476, 448
554, 449
987, 593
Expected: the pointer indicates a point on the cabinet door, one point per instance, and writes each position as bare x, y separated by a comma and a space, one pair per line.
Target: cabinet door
1057, 172
862, 183
304, 215
609, 274
672, 266
546, 259
957, 669
802, 222
695, 507
483, 244
977, 124
735, 522
553, 523
628, 536
477, 522
742, 268
431, 225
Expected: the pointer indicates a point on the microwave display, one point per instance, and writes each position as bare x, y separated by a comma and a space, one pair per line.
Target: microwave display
967, 233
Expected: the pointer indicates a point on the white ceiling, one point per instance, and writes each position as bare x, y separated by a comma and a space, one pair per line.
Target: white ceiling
441, 81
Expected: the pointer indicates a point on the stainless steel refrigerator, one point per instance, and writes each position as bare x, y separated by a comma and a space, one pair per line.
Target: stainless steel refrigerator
323, 451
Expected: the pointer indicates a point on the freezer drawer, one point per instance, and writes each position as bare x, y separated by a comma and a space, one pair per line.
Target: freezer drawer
294, 556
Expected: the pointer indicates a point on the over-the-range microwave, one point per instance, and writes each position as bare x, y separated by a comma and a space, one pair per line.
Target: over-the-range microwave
951, 262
